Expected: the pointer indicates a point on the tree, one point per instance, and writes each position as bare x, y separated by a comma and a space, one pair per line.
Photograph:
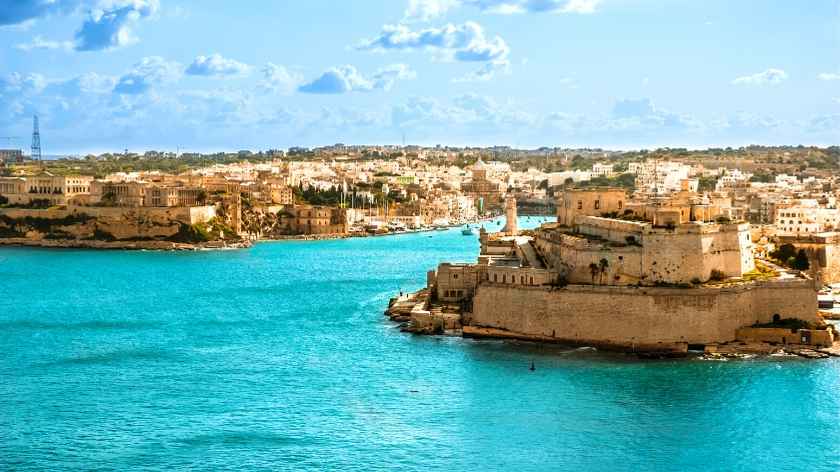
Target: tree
593, 271
784, 252
800, 262
602, 268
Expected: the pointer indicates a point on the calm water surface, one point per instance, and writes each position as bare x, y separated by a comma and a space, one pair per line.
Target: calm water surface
279, 358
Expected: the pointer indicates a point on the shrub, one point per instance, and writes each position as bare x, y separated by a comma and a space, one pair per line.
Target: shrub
790, 323
783, 253
800, 262
717, 275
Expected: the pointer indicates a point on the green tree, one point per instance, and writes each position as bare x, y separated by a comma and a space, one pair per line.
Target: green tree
784, 252
602, 269
593, 271
800, 262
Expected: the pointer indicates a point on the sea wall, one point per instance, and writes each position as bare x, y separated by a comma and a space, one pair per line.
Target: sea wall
625, 317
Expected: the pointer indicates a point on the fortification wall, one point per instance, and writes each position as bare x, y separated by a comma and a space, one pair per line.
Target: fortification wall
120, 223
680, 255
626, 317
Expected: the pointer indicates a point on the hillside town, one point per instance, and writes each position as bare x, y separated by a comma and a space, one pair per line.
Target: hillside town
788, 195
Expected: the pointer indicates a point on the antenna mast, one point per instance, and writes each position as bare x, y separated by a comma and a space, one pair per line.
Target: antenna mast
36, 140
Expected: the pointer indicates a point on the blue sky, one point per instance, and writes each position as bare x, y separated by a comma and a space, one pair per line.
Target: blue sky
208, 75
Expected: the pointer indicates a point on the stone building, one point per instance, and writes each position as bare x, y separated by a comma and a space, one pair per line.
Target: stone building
485, 193
614, 283
54, 189
592, 202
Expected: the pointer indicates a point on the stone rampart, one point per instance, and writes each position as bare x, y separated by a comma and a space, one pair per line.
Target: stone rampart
626, 317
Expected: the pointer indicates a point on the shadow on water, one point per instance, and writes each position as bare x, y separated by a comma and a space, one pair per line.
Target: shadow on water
81, 326
117, 357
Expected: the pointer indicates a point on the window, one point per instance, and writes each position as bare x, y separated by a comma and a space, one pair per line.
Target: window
620, 204
580, 204
455, 276
597, 204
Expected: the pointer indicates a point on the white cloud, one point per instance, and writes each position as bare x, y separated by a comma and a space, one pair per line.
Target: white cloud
465, 42
768, 77
509, 7
147, 74
346, 78
427, 10
39, 42
108, 26
215, 65
279, 79
828, 76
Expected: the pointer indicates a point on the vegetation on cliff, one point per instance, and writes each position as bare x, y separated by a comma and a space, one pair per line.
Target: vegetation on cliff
49, 227
787, 255
213, 230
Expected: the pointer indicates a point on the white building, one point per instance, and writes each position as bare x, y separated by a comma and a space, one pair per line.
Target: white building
602, 170
805, 218
659, 177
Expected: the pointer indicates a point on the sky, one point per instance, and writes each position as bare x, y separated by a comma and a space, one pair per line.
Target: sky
219, 75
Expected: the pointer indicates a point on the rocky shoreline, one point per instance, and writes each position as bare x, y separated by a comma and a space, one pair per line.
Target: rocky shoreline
416, 313
122, 245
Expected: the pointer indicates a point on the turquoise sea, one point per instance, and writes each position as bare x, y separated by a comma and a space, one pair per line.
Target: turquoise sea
279, 358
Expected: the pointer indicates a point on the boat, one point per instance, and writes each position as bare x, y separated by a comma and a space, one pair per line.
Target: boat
467, 231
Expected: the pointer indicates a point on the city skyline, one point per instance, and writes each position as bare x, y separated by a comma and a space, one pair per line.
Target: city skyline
105, 75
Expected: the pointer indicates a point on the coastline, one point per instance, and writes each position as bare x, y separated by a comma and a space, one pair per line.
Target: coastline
121, 245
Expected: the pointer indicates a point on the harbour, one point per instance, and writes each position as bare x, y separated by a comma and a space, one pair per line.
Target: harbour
235, 359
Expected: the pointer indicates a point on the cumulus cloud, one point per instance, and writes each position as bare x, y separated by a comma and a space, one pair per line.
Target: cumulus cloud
108, 26
508, 7
642, 113
485, 73
279, 79
346, 79
469, 111
466, 42
215, 65
768, 77
26, 84
39, 42
828, 76
427, 10
147, 74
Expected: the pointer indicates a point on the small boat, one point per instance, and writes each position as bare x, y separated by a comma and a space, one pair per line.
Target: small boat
467, 231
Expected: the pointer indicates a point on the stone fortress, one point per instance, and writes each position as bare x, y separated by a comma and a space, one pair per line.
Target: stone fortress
656, 276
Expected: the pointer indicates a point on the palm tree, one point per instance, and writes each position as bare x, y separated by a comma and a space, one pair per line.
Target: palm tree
602, 268
593, 271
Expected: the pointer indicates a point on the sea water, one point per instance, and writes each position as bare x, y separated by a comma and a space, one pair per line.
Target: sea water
278, 357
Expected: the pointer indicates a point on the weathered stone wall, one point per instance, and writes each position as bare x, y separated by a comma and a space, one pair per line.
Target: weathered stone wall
118, 223
679, 255
625, 316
